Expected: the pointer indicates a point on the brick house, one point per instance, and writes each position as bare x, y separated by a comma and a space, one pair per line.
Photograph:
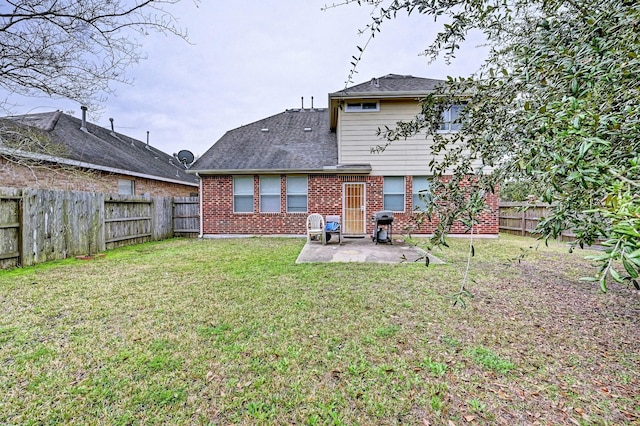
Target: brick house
267, 176
53, 150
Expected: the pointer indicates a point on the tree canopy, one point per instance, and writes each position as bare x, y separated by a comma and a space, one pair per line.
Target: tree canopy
75, 49
556, 105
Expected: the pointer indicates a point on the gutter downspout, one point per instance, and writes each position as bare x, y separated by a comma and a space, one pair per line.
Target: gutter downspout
200, 206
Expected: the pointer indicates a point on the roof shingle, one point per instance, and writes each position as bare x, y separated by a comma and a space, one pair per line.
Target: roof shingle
296, 139
101, 147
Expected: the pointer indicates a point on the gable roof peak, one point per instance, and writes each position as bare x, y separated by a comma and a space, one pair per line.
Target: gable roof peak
390, 85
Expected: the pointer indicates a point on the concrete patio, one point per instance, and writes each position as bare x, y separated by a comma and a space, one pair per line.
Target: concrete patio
362, 250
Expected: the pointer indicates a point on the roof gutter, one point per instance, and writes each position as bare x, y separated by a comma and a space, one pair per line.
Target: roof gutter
381, 95
363, 169
82, 164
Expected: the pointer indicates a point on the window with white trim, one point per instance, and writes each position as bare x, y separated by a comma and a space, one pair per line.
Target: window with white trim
269, 194
243, 194
362, 107
126, 187
451, 119
422, 197
393, 193
297, 189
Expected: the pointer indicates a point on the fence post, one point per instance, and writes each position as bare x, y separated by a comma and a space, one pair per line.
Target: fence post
524, 222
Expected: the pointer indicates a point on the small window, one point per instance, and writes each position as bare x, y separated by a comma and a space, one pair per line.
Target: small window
297, 188
394, 193
422, 197
126, 187
270, 194
362, 107
451, 119
243, 194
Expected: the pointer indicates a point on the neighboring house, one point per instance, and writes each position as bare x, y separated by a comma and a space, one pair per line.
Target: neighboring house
53, 150
267, 176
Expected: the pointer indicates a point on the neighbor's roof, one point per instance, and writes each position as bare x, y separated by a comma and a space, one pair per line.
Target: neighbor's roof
101, 149
296, 140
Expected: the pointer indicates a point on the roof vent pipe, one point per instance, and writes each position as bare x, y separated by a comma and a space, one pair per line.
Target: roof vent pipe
83, 126
147, 139
312, 102
302, 100
113, 132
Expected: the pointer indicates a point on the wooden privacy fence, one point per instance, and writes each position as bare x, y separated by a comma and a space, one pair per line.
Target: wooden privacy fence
40, 225
522, 218
186, 216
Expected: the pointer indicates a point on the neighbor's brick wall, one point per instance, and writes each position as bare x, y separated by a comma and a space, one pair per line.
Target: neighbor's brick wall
324, 197
70, 179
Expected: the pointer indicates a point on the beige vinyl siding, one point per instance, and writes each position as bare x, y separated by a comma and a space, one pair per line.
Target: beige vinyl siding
357, 135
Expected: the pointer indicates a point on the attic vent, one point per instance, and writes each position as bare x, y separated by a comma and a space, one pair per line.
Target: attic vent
307, 129
264, 130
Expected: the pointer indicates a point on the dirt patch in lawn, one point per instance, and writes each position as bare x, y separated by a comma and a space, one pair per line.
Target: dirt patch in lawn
574, 346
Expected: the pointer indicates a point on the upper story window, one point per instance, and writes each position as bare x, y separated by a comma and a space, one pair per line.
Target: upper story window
451, 119
126, 187
393, 193
422, 197
297, 189
243, 194
362, 107
270, 194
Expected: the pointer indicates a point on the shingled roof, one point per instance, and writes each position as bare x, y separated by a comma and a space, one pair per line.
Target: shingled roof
388, 85
103, 149
296, 140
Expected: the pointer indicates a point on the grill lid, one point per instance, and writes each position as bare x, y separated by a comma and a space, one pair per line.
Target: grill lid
385, 216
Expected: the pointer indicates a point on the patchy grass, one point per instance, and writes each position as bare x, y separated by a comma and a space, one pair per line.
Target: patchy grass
234, 332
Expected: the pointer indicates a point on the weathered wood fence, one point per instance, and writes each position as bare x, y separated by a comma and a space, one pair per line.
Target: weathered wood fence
40, 225
522, 218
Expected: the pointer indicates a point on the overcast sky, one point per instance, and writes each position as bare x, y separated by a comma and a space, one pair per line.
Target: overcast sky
250, 59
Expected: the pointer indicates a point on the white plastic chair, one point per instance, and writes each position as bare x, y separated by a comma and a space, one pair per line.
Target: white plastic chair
315, 227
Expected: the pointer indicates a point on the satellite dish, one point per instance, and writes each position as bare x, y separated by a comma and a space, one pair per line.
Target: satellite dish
185, 157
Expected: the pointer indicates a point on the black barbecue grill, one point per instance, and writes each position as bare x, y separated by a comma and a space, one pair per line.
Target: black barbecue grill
382, 227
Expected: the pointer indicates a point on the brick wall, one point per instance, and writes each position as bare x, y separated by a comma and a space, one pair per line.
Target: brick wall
72, 179
324, 197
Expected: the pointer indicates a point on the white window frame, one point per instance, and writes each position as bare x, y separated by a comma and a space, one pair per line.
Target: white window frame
416, 202
362, 106
266, 192
385, 193
126, 187
237, 193
291, 193
447, 122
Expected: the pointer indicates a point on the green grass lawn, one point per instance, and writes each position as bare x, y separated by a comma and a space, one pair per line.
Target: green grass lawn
234, 332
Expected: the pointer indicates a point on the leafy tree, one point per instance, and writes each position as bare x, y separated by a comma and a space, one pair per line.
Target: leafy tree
557, 104
75, 49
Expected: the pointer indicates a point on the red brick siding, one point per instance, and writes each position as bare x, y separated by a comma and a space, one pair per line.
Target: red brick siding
324, 197
69, 179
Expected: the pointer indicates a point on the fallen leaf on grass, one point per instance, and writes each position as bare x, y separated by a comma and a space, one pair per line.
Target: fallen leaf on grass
469, 418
